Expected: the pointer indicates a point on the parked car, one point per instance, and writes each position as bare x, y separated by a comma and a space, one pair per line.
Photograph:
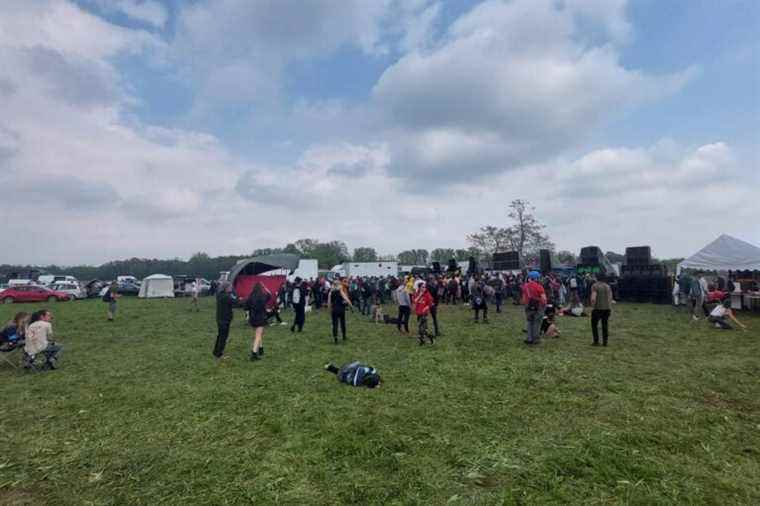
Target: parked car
32, 293
128, 288
93, 288
72, 289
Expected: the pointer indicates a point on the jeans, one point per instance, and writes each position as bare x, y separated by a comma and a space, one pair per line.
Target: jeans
484, 308
498, 299
721, 321
533, 320
596, 315
221, 338
403, 318
300, 318
339, 317
434, 315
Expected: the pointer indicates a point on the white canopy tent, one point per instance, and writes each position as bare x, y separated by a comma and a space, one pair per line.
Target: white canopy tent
725, 253
156, 286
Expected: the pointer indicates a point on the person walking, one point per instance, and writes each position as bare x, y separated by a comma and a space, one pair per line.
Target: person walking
423, 301
601, 302
337, 301
534, 299
298, 299
404, 308
111, 296
256, 304
195, 292
225, 301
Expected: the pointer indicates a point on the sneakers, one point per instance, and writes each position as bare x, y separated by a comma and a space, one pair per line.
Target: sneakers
695, 317
254, 357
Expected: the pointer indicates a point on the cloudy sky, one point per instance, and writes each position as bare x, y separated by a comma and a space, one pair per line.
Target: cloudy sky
159, 128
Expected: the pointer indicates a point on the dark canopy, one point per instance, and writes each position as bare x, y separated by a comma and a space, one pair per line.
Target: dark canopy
264, 263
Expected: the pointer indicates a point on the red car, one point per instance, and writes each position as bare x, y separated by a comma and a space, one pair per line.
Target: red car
31, 293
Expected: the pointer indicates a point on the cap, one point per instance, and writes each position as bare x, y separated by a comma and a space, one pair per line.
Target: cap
533, 275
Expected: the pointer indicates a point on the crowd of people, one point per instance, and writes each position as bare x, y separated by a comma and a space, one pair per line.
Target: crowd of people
543, 297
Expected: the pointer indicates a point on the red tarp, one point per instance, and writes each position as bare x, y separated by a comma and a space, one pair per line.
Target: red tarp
244, 285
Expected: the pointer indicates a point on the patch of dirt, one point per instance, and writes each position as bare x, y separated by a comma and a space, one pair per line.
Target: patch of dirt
714, 399
17, 497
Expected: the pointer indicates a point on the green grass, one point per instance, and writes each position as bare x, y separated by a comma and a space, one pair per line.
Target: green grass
139, 413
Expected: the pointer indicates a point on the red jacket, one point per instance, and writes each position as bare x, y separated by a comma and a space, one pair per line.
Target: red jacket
532, 290
422, 303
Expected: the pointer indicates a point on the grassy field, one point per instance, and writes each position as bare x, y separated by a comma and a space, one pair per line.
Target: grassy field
139, 413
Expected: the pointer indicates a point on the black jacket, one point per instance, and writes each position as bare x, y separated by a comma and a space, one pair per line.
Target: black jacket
225, 301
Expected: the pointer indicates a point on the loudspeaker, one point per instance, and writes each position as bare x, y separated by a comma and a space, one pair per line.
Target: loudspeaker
638, 255
453, 267
506, 261
546, 260
472, 266
437, 267
591, 255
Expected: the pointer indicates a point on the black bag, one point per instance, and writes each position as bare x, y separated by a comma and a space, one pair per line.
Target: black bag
107, 297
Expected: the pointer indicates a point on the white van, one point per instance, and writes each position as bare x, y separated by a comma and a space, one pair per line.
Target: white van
49, 279
127, 279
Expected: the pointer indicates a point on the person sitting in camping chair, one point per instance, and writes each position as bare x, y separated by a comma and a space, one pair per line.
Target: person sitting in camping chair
39, 341
12, 335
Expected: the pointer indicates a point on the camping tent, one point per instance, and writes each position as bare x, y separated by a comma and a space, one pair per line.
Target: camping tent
247, 272
725, 253
157, 285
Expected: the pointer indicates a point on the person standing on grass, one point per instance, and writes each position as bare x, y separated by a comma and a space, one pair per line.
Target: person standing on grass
434, 291
534, 299
404, 308
423, 302
601, 302
256, 304
195, 291
298, 299
337, 301
110, 297
225, 301
38, 340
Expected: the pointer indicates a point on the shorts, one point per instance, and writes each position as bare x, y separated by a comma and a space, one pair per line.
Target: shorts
258, 323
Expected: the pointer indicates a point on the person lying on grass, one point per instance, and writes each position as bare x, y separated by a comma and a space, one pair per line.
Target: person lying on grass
720, 315
355, 374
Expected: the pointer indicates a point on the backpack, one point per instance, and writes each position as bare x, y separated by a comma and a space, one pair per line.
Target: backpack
107, 297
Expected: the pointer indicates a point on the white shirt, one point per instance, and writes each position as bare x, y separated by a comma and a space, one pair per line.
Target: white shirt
719, 311
37, 335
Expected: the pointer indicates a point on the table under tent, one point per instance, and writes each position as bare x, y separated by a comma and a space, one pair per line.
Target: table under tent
734, 259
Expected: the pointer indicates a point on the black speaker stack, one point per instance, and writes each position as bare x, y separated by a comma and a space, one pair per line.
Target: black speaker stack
436, 267
506, 261
546, 260
644, 281
591, 256
453, 266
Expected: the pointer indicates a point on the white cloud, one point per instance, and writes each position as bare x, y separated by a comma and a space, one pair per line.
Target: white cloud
510, 84
236, 51
146, 11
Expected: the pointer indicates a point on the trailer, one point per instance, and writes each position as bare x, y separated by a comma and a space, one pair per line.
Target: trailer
367, 269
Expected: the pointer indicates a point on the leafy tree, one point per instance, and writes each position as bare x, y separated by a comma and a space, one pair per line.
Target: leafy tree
442, 255
567, 257
365, 254
407, 257
329, 254
490, 239
525, 235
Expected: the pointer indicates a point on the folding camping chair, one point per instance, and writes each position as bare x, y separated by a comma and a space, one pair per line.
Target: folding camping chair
10, 353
